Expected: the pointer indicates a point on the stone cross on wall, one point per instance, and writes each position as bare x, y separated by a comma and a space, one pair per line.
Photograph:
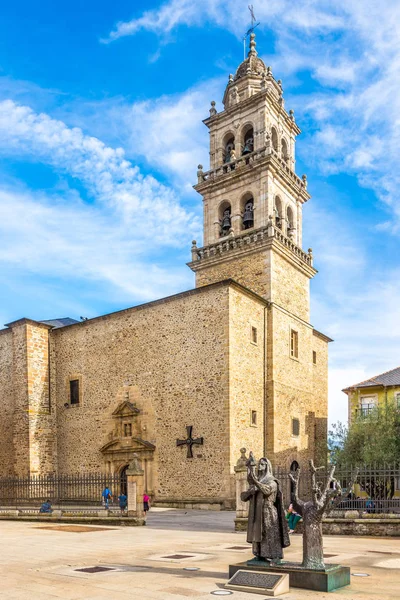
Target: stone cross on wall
190, 441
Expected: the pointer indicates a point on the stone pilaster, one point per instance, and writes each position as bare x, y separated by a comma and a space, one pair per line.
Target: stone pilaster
33, 423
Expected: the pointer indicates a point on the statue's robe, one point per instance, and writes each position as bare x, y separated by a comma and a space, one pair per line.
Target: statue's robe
267, 527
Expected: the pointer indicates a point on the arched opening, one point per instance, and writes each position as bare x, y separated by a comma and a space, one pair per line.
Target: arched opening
274, 139
285, 151
293, 468
247, 211
290, 222
225, 218
248, 140
123, 480
229, 148
278, 212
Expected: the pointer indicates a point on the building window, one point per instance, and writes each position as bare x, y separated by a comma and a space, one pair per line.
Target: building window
397, 399
295, 427
127, 429
74, 396
254, 335
314, 357
253, 418
294, 344
367, 405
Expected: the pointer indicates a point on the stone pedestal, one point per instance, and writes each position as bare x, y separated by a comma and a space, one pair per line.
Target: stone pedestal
242, 508
327, 580
135, 489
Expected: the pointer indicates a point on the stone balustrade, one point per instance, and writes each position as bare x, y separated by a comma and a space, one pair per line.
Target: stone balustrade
248, 238
245, 161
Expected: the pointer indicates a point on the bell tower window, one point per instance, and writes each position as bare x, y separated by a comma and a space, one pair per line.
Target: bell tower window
291, 231
274, 139
229, 149
225, 218
278, 212
247, 211
284, 152
248, 142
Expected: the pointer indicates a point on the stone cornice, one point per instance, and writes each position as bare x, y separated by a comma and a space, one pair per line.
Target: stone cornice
249, 242
322, 336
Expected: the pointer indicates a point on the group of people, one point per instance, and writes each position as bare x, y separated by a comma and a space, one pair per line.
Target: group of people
107, 498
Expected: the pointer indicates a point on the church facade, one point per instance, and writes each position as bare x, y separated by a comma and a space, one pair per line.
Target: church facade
187, 381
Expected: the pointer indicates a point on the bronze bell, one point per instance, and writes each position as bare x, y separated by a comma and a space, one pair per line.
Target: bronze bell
226, 222
248, 146
248, 216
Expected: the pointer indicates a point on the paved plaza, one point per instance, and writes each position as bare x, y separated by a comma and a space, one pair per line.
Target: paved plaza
40, 560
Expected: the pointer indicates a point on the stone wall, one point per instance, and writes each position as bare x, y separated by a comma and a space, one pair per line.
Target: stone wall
293, 389
175, 353
290, 287
246, 373
251, 270
7, 404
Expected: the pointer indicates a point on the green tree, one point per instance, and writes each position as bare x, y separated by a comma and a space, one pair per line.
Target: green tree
371, 438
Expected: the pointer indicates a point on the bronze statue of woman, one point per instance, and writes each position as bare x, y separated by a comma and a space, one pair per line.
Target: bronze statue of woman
267, 528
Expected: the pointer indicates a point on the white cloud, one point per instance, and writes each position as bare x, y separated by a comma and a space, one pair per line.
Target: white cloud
230, 15
104, 171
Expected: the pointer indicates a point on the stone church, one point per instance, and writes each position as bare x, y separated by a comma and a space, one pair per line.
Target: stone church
188, 380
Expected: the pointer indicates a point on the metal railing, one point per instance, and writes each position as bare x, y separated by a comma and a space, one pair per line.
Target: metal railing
376, 490
63, 491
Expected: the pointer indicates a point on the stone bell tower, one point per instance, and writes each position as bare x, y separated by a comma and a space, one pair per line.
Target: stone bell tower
252, 198
253, 202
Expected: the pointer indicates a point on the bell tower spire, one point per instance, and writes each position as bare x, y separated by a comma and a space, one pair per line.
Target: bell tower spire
252, 197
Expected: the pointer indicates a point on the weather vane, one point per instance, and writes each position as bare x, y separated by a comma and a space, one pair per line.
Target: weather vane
249, 31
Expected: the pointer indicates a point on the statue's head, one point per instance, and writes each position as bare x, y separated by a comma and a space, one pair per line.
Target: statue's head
264, 467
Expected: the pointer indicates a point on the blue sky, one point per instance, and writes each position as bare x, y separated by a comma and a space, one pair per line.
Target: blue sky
100, 136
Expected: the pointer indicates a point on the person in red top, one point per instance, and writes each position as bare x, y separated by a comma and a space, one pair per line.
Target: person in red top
146, 503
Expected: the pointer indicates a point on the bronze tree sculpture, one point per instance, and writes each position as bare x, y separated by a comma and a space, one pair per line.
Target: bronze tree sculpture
322, 500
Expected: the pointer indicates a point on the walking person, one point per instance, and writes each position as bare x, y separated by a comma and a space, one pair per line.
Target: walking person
106, 496
146, 504
123, 502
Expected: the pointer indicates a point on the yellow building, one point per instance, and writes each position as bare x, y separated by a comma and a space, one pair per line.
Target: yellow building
365, 396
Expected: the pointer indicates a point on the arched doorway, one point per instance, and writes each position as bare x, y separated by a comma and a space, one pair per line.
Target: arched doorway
293, 468
123, 480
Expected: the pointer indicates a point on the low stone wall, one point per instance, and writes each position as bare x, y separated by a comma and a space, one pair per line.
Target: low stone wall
370, 525
101, 517
196, 504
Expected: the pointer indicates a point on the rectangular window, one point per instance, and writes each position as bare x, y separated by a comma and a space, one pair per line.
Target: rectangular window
397, 399
314, 357
295, 427
127, 429
254, 335
367, 405
253, 418
74, 391
294, 344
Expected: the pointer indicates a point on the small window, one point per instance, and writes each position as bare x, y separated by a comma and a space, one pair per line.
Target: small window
314, 357
127, 429
295, 427
74, 391
397, 399
253, 418
294, 344
254, 335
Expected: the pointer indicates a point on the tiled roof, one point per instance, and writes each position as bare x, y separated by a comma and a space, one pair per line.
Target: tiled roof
56, 323
384, 379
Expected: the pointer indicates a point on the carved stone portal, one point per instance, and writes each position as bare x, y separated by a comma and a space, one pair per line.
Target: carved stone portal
126, 442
